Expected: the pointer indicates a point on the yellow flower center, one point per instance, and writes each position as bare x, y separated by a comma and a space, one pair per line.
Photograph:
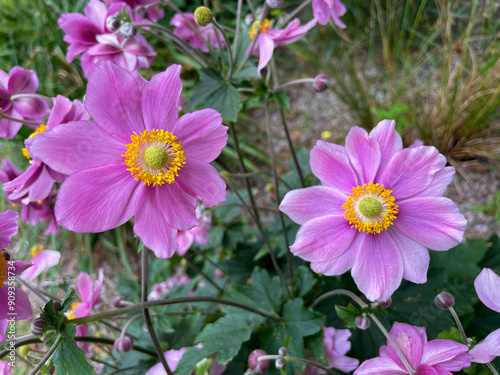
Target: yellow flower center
35, 250
3, 269
38, 130
370, 208
154, 157
256, 26
71, 314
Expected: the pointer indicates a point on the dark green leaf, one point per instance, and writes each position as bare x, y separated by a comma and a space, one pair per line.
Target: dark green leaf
69, 359
348, 315
305, 280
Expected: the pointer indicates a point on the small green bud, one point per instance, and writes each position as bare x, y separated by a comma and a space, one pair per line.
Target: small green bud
203, 16
203, 367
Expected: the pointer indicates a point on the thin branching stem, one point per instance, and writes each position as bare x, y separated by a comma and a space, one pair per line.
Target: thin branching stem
47, 356
459, 324
290, 145
203, 274
25, 95
237, 32
492, 369
228, 48
33, 289
296, 11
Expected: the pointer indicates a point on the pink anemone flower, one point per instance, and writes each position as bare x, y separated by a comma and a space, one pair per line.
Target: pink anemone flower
336, 344
186, 28
5, 368
487, 285
324, 9
435, 357
185, 238
152, 12
269, 38
379, 209
41, 260
22, 307
34, 212
23, 84
37, 182
90, 294
137, 159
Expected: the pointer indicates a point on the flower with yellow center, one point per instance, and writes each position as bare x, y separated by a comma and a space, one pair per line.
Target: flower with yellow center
36, 250
154, 157
38, 130
257, 27
71, 313
370, 208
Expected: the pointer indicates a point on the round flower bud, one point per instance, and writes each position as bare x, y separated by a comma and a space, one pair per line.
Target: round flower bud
123, 344
362, 322
282, 351
203, 16
127, 30
117, 302
218, 273
320, 83
112, 23
444, 300
37, 326
255, 366
249, 19
99, 368
57, 305
141, 11
385, 304
275, 3
280, 363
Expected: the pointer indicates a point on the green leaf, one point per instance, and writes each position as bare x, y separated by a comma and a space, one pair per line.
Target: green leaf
453, 335
463, 259
69, 359
315, 345
477, 369
213, 92
305, 281
348, 315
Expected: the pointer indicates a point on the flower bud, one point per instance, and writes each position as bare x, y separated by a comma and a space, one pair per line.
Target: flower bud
112, 23
203, 367
255, 366
141, 11
57, 305
249, 19
282, 351
127, 30
444, 300
203, 16
275, 3
24, 350
123, 344
362, 322
37, 326
99, 368
280, 364
385, 304
320, 83
218, 273
117, 302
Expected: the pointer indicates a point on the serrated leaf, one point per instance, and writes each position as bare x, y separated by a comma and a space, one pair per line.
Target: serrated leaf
69, 359
315, 345
477, 369
348, 315
453, 335
189, 360
305, 280
463, 259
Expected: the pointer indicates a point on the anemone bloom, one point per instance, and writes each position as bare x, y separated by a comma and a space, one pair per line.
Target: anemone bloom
37, 182
435, 357
269, 38
5, 368
41, 260
324, 9
185, 238
137, 159
152, 12
379, 209
17, 100
487, 285
186, 28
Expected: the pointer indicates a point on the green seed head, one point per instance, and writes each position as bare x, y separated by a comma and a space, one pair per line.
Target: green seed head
156, 157
370, 207
203, 16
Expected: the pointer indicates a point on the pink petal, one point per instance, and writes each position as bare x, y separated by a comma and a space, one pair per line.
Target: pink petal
434, 222
22, 308
8, 227
378, 268
4, 323
85, 287
426, 370
160, 99
439, 183
332, 168
412, 170
409, 341
177, 207
44, 260
341, 263
389, 140
75, 146
22, 81
114, 101
266, 49
379, 366
415, 256
364, 154
302, 205
487, 286
96, 13
202, 134
323, 238
200, 179
64, 110
446, 354
151, 226
32, 108
321, 11
488, 349
184, 241
107, 193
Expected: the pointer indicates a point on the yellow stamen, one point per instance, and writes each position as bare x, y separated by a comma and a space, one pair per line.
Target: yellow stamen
71, 314
154, 157
257, 26
3, 269
370, 208
38, 130
35, 250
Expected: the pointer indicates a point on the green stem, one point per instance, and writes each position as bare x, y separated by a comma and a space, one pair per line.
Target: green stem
47, 356
492, 369
228, 48
169, 301
203, 274
290, 145
459, 324
145, 312
27, 122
